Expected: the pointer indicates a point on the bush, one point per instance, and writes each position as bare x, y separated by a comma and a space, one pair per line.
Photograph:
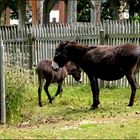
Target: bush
16, 87
135, 18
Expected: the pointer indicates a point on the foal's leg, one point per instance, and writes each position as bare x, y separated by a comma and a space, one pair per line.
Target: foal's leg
133, 85
46, 86
40, 83
59, 90
95, 92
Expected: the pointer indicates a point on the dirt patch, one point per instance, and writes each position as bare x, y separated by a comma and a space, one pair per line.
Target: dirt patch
65, 124
110, 120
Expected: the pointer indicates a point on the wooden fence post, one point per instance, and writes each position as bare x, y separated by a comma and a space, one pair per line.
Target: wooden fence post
102, 42
2, 85
102, 37
31, 50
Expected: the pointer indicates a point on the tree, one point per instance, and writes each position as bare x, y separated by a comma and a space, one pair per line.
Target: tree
3, 5
134, 7
114, 9
21, 12
13, 5
83, 11
106, 11
47, 7
110, 10
18, 7
98, 11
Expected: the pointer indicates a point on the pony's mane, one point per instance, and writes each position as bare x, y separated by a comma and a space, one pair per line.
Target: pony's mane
78, 45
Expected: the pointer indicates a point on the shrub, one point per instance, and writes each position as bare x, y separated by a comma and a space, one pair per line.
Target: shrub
135, 18
16, 86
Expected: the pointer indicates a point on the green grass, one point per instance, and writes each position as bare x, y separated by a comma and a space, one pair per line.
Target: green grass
70, 116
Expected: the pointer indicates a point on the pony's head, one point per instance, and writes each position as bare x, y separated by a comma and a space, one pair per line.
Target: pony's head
61, 56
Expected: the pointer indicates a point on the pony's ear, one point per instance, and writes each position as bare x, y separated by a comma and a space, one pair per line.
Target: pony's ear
91, 47
68, 44
64, 43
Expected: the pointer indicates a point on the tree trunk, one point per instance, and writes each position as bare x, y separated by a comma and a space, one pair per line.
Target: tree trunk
47, 7
7, 16
72, 11
131, 8
62, 11
46, 13
34, 12
93, 12
114, 9
40, 19
98, 11
22, 12
3, 5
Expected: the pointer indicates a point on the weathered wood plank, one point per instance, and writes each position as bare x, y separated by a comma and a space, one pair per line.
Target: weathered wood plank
47, 37
2, 85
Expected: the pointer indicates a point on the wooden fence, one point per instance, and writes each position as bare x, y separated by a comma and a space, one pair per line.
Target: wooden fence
2, 85
26, 46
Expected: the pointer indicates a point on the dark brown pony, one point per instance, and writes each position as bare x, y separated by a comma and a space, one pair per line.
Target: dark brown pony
44, 71
104, 62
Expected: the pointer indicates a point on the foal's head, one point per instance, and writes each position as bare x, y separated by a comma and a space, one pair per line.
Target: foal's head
74, 70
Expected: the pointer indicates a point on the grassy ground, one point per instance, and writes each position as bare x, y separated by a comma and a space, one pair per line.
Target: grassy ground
70, 117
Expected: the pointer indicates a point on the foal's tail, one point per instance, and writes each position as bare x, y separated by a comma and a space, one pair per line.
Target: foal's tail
40, 79
40, 84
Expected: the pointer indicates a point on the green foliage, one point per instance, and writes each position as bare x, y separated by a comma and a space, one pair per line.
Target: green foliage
16, 86
13, 4
106, 13
70, 117
83, 11
108, 9
135, 18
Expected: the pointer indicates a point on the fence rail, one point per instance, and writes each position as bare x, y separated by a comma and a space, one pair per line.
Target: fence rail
2, 85
26, 46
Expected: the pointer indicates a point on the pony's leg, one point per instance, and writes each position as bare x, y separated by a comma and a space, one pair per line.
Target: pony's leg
136, 82
59, 90
46, 86
135, 78
40, 83
133, 85
95, 92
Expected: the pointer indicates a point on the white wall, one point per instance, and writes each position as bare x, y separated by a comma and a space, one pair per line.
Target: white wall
54, 14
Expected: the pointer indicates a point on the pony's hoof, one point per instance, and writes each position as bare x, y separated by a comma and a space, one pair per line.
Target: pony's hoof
61, 90
93, 107
130, 104
50, 101
40, 105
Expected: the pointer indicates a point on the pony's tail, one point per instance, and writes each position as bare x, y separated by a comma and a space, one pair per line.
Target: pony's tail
137, 66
